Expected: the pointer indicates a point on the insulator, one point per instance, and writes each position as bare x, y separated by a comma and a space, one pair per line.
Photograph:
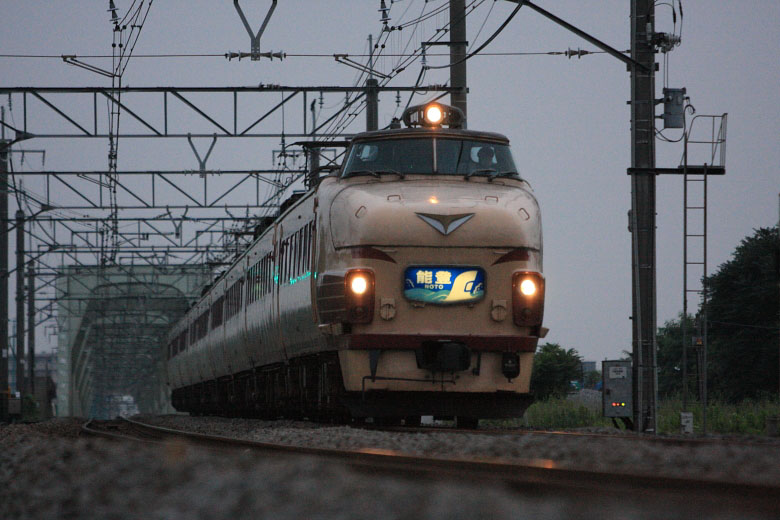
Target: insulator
385, 12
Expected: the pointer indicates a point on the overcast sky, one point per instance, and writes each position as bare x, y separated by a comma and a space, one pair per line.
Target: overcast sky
567, 118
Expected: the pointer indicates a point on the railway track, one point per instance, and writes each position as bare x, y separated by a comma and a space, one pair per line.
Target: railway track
661, 439
542, 476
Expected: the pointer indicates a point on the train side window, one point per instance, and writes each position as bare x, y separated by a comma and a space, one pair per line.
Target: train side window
301, 243
269, 273
264, 283
216, 312
249, 285
286, 262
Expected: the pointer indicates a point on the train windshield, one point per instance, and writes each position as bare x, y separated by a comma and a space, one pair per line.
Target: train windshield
437, 156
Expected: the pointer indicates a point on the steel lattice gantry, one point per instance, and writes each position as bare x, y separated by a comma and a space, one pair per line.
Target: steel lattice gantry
113, 322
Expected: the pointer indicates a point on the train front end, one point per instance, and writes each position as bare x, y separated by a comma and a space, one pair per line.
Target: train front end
431, 285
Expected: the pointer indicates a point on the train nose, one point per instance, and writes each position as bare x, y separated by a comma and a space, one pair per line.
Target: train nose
378, 216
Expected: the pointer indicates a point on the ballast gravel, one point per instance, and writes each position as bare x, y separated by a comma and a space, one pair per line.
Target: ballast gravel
48, 471
737, 461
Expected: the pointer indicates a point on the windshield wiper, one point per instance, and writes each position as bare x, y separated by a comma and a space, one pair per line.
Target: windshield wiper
363, 172
506, 173
390, 170
483, 170
376, 173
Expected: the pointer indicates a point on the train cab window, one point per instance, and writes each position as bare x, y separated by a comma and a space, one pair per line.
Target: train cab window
398, 156
440, 155
467, 157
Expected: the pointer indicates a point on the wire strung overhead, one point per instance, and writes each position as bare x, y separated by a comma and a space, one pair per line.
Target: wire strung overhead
126, 33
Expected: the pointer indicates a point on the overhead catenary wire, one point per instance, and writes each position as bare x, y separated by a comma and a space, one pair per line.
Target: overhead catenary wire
294, 55
486, 43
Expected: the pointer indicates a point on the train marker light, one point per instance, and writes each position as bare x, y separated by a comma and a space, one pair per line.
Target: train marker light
528, 287
358, 284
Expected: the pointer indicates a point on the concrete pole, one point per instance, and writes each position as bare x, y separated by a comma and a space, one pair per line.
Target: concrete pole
372, 105
3, 276
20, 372
457, 56
31, 325
643, 216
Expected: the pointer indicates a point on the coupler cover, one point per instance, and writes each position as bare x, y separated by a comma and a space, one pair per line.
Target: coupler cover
443, 356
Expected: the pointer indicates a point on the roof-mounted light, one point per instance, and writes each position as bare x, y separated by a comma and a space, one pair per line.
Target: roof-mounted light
433, 115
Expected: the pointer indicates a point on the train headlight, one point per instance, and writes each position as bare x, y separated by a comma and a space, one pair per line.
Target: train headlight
359, 293
528, 287
358, 284
527, 298
433, 115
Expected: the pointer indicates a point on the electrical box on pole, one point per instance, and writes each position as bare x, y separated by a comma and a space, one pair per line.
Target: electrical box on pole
674, 107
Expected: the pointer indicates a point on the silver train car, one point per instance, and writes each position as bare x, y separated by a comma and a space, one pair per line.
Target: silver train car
407, 283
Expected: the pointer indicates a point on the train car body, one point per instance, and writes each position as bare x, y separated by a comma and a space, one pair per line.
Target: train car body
407, 283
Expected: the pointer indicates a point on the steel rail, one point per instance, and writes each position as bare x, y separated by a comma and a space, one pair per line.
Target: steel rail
533, 474
617, 436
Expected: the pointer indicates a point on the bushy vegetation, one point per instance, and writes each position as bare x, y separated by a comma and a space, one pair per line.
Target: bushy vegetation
556, 413
747, 417
554, 370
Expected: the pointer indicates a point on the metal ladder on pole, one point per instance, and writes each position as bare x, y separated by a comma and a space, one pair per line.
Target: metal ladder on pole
695, 242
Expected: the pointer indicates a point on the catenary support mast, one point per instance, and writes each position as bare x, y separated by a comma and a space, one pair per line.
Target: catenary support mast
20, 375
31, 326
458, 55
643, 214
3, 276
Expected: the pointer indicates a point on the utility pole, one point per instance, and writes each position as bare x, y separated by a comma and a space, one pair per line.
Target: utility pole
20, 372
458, 56
31, 324
372, 105
642, 66
3, 272
643, 214
372, 95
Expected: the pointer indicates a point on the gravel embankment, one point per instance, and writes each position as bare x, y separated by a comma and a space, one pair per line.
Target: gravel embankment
46, 471
759, 463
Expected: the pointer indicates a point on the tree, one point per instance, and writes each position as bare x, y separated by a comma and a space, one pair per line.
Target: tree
669, 358
592, 379
742, 327
554, 369
743, 320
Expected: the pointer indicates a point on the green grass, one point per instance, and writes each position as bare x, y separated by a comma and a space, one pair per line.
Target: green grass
555, 414
746, 418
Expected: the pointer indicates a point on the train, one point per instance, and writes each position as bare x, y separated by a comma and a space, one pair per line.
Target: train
408, 282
